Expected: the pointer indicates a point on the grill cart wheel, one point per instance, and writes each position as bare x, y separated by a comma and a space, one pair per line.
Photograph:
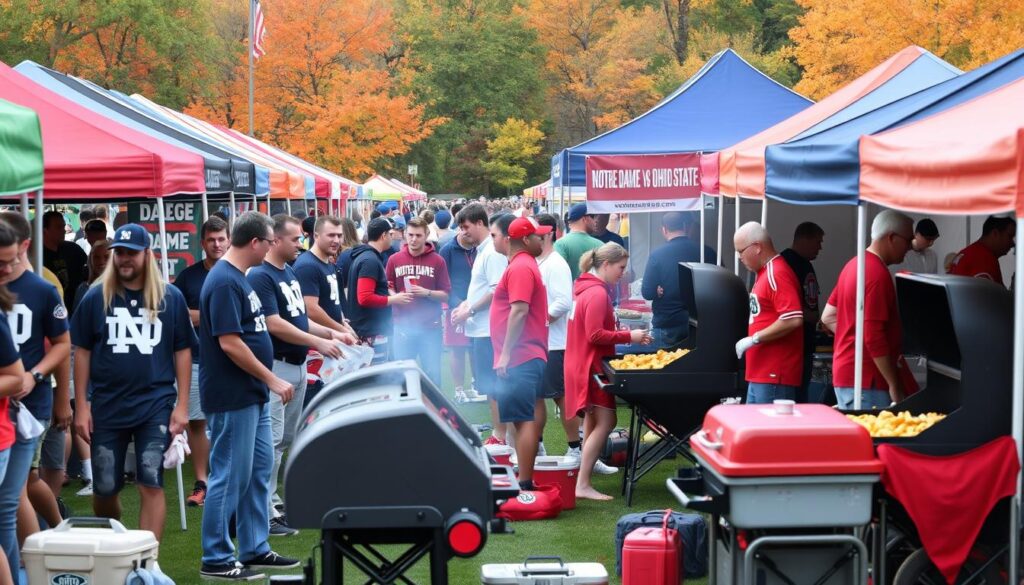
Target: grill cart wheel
918, 569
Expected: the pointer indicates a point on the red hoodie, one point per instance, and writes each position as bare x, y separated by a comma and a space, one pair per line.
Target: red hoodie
432, 273
591, 336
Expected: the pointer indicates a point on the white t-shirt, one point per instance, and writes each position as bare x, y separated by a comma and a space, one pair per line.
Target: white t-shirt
925, 262
487, 271
557, 278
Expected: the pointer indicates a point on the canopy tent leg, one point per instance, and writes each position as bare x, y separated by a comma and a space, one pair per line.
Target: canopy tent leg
24, 205
165, 264
1018, 401
858, 344
764, 212
702, 259
736, 257
37, 241
234, 211
721, 221
256, 205
288, 206
206, 208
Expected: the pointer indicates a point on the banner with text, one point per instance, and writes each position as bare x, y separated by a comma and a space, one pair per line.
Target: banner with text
642, 183
183, 220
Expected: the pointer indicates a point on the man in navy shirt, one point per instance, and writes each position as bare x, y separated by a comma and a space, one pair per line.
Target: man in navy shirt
38, 316
369, 298
293, 334
234, 384
214, 234
318, 276
133, 343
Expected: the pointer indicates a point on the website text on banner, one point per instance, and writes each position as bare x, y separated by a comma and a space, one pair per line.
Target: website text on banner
629, 184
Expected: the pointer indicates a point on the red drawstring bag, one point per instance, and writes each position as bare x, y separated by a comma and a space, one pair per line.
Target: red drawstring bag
540, 503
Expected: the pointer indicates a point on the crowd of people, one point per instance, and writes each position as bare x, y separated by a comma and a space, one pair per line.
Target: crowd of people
98, 351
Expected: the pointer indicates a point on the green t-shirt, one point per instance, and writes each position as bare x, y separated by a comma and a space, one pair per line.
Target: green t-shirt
572, 246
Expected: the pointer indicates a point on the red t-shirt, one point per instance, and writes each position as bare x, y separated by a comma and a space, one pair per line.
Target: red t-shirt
521, 282
776, 296
428, 270
977, 260
883, 333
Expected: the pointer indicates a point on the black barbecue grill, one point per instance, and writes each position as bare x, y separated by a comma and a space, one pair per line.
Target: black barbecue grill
671, 402
381, 457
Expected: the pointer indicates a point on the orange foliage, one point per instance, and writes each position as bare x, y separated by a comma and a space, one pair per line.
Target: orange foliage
839, 40
321, 91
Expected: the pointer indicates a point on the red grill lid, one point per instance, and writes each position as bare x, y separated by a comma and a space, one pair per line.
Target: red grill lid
757, 440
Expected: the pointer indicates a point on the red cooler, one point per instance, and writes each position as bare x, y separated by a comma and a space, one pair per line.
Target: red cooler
651, 556
802, 471
560, 471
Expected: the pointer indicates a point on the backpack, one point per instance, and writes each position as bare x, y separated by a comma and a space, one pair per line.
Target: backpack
693, 531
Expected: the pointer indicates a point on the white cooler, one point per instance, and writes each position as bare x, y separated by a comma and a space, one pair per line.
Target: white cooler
543, 571
87, 551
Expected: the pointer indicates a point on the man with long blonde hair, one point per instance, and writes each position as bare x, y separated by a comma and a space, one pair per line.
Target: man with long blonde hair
134, 343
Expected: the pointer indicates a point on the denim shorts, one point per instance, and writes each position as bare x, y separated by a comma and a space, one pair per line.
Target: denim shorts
50, 449
482, 359
869, 398
759, 393
110, 446
519, 392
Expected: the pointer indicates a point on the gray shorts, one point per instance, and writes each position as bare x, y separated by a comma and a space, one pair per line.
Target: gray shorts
50, 450
195, 408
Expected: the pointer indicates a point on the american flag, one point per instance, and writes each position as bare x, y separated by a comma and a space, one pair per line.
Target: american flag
259, 30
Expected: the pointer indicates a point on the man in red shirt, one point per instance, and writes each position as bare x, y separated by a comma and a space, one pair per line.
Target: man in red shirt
419, 270
981, 259
774, 348
891, 235
519, 333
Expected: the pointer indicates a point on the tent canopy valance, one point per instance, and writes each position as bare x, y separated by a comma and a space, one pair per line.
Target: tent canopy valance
723, 103
21, 150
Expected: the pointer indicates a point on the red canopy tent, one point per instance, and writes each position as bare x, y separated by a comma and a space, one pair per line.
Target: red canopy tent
88, 157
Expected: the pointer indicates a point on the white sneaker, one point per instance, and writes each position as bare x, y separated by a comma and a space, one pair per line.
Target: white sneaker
471, 395
541, 451
86, 491
573, 454
460, 396
601, 468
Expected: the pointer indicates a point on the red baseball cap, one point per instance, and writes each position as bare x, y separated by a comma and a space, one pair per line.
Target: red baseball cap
525, 226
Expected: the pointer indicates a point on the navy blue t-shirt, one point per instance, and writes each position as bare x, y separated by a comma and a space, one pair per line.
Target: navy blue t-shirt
8, 351
319, 279
190, 283
38, 314
280, 294
228, 305
131, 367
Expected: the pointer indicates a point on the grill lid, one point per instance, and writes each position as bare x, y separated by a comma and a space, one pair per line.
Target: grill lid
761, 440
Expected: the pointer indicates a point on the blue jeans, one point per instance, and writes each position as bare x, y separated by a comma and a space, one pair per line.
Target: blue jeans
758, 393
869, 398
110, 447
19, 461
422, 344
241, 458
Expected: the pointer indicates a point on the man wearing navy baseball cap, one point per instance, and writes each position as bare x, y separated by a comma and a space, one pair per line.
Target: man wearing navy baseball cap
134, 341
578, 241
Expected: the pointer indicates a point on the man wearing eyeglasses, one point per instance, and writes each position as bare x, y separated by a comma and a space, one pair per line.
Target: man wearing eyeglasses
774, 346
891, 236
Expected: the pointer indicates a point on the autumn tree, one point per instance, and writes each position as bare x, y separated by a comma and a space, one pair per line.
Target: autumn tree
323, 92
515, 145
839, 40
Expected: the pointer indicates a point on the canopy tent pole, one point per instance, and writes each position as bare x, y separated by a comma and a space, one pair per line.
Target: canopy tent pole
721, 218
702, 260
24, 204
206, 208
165, 265
37, 233
233, 210
736, 257
764, 213
858, 359
256, 205
288, 205
1018, 400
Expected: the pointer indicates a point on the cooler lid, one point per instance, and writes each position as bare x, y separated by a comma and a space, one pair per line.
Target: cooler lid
97, 542
760, 440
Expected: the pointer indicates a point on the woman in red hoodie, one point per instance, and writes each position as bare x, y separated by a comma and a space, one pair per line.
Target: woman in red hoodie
592, 336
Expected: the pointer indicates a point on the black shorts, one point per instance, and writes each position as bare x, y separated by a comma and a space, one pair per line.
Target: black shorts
554, 374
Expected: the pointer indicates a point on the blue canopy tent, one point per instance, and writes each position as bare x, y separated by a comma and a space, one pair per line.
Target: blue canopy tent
824, 167
723, 103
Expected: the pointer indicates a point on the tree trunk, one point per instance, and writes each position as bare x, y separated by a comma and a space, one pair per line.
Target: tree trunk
682, 35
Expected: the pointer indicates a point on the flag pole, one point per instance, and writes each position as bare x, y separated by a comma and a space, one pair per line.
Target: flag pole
252, 27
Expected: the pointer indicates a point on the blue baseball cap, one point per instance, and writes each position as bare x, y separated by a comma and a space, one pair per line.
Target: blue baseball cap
383, 208
132, 236
577, 212
443, 219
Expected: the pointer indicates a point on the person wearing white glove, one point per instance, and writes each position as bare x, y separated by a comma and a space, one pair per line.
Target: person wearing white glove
774, 345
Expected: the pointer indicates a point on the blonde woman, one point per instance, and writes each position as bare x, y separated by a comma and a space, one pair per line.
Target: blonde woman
133, 338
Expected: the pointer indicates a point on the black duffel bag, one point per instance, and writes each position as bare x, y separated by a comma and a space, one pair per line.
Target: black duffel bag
693, 531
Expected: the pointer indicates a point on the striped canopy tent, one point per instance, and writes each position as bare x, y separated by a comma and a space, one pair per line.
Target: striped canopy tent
538, 192
383, 189
21, 150
412, 193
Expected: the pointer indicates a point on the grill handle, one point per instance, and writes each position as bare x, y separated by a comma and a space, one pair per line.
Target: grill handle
601, 382
705, 504
702, 437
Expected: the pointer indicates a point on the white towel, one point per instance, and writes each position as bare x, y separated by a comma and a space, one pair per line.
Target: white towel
175, 454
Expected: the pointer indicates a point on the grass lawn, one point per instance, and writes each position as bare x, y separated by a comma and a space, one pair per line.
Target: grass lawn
585, 534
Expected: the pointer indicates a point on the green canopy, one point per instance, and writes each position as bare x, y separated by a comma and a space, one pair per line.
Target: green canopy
21, 150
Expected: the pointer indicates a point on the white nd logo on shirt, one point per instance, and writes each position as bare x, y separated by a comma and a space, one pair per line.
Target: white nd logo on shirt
332, 280
125, 331
293, 295
755, 307
257, 307
20, 319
